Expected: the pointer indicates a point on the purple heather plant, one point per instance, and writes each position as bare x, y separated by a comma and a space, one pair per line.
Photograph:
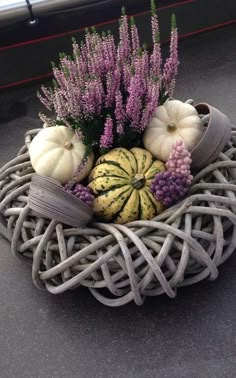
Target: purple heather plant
123, 81
106, 140
171, 64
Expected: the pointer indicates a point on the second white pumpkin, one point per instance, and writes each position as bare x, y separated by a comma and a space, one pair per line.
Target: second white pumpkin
57, 152
172, 121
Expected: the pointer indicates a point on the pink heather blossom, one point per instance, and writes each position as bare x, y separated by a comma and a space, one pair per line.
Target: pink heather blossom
144, 68
98, 95
106, 140
120, 128
120, 79
126, 73
61, 78
155, 28
134, 37
112, 85
47, 120
68, 66
123, 51
119, 108
95, 40
109, 52
156, 59
87, 100
83, 64
74, 102
92, 98
152, 99
60, 104
88, 42
137, 90
171, 65
48, 93
134, 103
47, 101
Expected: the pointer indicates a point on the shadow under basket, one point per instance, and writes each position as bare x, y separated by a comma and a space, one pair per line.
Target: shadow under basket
123, 263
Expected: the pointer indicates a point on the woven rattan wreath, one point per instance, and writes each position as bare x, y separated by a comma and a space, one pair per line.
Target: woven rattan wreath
118, 263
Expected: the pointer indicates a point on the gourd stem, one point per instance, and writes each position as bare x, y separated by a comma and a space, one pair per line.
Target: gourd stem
171, 128
138, 181
68, 145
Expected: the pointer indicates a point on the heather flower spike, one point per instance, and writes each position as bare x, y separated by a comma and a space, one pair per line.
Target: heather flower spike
171, 65
106, 140
102, 77
134, 36
156, 59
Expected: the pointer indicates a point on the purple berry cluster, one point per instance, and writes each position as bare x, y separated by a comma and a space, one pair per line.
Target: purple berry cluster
82, 192
169, 187
172, 185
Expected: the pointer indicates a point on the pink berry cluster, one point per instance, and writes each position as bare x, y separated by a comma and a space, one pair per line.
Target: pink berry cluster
179, 160
174, 184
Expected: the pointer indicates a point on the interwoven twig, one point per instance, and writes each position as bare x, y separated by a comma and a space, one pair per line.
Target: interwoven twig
121, 263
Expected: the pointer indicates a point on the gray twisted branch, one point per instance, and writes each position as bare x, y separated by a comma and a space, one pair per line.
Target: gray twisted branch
120, 263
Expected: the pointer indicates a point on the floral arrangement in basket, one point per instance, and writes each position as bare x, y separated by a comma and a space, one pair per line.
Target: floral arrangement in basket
117, 140
134, 191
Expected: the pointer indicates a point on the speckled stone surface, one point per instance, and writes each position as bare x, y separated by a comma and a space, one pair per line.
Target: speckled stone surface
72, 335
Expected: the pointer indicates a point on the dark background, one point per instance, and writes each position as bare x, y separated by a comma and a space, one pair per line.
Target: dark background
26, 51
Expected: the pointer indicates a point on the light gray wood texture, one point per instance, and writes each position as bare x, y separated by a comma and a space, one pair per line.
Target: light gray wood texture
123, 263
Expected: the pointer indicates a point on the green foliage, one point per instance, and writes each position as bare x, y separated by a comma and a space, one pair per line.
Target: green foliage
123, 11
157, 37
153, 8
132, 21
173, 21
54, 83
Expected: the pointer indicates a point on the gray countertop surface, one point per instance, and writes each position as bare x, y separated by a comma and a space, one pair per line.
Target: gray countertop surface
72, 335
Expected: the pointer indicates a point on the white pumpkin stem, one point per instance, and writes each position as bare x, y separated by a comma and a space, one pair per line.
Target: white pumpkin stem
68, 145
171, 128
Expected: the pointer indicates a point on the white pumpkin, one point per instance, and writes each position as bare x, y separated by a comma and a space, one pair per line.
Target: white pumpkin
172, 121
57, 152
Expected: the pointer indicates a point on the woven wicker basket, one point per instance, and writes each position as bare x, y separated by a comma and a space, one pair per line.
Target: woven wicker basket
121, 263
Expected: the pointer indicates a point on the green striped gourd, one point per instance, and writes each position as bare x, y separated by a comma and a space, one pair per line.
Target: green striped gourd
121, 182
